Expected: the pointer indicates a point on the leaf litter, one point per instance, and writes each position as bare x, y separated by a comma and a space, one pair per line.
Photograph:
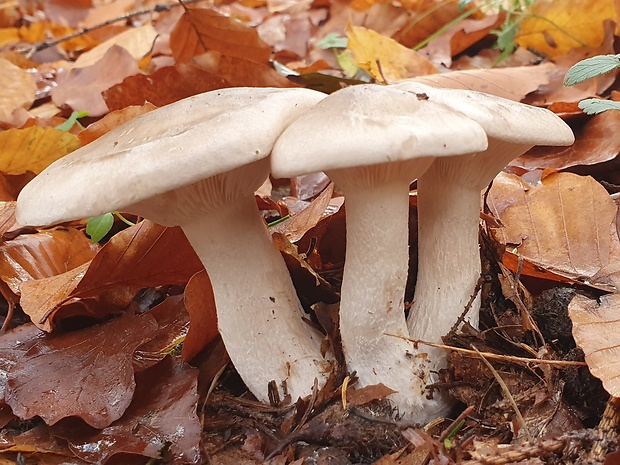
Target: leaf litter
116, 315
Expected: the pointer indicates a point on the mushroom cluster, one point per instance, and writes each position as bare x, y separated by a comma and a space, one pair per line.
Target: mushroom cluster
197, 162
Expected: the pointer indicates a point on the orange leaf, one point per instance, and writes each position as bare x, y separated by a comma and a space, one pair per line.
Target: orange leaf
112, 120
202, 30
200, 304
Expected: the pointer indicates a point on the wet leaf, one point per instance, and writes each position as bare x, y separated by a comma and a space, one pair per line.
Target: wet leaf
86, 373
33, 149
596, 329
161, 421
565, 224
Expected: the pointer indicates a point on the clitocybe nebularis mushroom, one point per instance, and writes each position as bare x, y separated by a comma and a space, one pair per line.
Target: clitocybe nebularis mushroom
449, 205
196, 163
373, 141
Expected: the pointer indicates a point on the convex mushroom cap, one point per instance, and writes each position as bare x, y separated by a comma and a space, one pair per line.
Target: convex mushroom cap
449, 205
373, 141
196, 163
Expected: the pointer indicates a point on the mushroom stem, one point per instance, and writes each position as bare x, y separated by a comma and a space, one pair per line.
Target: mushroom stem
373, 287
259, 314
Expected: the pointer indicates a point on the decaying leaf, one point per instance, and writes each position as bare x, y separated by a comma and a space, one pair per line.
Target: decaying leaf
18, 89
85, 373
112, 120
565, 224
596, 329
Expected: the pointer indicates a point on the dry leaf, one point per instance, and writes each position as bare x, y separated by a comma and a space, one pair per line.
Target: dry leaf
384, 58
564, 224
556, 26
81, 88
18, 90
511, 83
138, 41
112, 120
33, 149
596, 329
201, 30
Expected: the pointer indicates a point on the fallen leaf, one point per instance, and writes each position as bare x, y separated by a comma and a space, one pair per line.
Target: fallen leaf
564, 224
202, 30
200, 304
555, 26
161, 421
42, 255
594, 143
596, 329
385, 59
511, 83
112, 120
368, 394
33, 149
81, 88
18, 90
86, 373
138, 41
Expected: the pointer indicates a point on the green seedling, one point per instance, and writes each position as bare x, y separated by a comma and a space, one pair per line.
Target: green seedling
588, 69
73, 119
448, 443
98, 227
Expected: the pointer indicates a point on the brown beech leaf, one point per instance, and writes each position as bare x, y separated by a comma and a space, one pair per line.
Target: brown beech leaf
565, 224
144, 255
42, 255
596, 329
86, 373
513, 83
173, 321
594, 143
299, 224
81, 88
200, 304
164, 86
201, 30
33, 149
239, 72
112, 120
163, 412
368, 394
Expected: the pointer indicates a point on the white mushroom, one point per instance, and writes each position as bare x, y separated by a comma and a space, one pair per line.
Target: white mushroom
196, 163
373, 141
449, 205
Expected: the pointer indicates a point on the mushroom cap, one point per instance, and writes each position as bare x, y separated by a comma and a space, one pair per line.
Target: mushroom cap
502, 119
170, 147
370, 125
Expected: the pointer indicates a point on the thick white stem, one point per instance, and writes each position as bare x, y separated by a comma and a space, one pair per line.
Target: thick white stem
373, 289
259, 315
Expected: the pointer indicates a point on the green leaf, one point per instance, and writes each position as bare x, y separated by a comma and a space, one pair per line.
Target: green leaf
333, 40
73, 119
594, 106
98, 226
591, 67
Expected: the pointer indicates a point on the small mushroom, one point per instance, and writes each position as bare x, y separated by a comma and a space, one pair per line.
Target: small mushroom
449, 205
373, 141
196, 163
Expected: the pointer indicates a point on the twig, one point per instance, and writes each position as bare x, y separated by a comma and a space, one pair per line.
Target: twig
507, 393
505, 358
156, 9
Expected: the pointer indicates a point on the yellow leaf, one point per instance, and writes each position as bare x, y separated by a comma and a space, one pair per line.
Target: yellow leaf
383, 58
8, 35
556, 26
33, 149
